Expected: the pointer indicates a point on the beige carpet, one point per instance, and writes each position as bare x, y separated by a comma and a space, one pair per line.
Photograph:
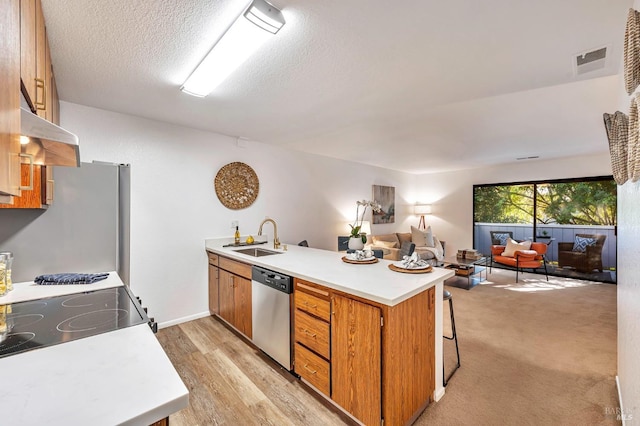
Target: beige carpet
533, 353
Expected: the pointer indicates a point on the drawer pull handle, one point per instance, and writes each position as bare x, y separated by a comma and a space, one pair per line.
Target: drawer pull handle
29, 187
306, 367
310, 306
308, 333
42, 106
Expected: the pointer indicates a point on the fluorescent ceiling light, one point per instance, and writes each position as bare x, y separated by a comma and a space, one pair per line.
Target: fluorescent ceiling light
244, 37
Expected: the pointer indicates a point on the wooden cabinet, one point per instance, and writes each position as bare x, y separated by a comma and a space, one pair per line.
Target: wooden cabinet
338, 348
31, 198
313, 368
234, 294
380, 359
28, 50
31, 72
36, 68
214, 280
356, 358
9, 100
311, 334
40, 196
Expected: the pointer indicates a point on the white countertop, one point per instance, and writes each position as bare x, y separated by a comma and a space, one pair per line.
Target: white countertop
375, 282
119, 377
30, 290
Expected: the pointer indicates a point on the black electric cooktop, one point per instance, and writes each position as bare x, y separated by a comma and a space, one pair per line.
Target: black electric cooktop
45, 322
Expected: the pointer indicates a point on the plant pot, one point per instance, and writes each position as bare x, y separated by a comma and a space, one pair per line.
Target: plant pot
355, 243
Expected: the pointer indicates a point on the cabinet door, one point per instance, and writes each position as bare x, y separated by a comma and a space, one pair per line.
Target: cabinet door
28, 50
356, 358
213, 289
47, 185
42, 73
9, 99
226, 291
31, 198
242, 299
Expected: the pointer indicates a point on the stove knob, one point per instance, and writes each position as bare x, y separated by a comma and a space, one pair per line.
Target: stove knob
153, 324
145, 309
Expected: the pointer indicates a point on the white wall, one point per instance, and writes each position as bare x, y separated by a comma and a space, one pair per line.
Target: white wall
628, 285
174, 207
629, 297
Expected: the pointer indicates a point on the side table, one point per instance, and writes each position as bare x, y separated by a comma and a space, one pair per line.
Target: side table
468, 271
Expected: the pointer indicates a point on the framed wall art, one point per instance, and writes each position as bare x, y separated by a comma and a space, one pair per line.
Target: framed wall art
386, 197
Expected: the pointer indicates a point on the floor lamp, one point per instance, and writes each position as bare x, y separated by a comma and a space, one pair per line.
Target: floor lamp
422, 210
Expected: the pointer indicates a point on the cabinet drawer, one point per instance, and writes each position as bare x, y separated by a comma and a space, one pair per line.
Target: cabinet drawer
213, 258
313, 305
312, 368
312, 332
235, 267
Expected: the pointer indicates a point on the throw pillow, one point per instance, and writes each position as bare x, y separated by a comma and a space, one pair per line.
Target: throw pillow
392, 238
386, 244
422, 238
513, 246
581, 243
404, 237
502, 238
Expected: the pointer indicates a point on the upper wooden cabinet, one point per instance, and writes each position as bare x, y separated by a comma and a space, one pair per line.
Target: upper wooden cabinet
28, 50
25, 66
36, 73
9, 100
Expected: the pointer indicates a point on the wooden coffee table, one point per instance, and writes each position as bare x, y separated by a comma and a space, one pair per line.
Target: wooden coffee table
468, 271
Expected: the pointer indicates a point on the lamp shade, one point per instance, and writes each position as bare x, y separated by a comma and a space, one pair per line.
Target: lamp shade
422, 209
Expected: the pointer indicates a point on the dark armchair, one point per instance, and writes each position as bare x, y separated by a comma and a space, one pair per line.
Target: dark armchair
584, 256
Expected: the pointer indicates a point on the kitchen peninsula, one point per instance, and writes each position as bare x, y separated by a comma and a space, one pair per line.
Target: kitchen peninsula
117, 377
367, 338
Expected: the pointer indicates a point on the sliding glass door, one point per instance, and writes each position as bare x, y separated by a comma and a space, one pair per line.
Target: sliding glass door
576, 218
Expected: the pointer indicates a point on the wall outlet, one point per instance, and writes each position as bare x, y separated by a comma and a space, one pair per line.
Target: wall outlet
234, 224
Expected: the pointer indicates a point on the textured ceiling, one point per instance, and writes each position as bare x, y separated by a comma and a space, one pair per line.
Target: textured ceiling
417, 85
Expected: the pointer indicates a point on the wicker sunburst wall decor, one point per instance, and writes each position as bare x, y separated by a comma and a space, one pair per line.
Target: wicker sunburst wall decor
237, 185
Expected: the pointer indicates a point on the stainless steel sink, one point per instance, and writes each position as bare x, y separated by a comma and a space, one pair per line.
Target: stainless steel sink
257, 252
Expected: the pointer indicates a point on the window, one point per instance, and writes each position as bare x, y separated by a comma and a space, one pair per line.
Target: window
562, 209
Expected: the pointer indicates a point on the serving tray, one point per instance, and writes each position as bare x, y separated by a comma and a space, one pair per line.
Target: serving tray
359, 262
410, 271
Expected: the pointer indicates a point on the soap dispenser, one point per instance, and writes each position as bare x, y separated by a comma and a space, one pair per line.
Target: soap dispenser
236, 238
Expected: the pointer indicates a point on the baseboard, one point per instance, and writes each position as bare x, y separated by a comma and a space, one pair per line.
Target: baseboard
438, 394
183, 319
620, 401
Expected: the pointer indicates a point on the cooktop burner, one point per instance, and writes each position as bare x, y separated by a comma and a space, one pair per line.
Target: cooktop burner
35, 324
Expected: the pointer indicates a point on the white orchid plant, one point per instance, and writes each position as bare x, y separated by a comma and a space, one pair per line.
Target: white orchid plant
357, 225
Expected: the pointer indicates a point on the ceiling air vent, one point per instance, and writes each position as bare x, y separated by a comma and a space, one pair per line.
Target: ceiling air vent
590, 61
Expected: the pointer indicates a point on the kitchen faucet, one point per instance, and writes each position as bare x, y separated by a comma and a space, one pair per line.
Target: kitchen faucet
276, 241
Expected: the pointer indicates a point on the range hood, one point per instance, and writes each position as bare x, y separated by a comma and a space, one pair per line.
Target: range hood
49, 144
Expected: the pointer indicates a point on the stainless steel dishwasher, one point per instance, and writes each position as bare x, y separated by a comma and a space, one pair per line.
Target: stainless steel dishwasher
271, 314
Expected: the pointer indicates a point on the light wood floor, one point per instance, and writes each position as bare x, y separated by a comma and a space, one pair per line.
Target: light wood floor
231, 383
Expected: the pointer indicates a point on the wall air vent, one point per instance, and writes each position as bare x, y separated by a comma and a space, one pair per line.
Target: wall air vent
590, 61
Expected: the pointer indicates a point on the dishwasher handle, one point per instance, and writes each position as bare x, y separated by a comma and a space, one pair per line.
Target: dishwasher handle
272, 279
